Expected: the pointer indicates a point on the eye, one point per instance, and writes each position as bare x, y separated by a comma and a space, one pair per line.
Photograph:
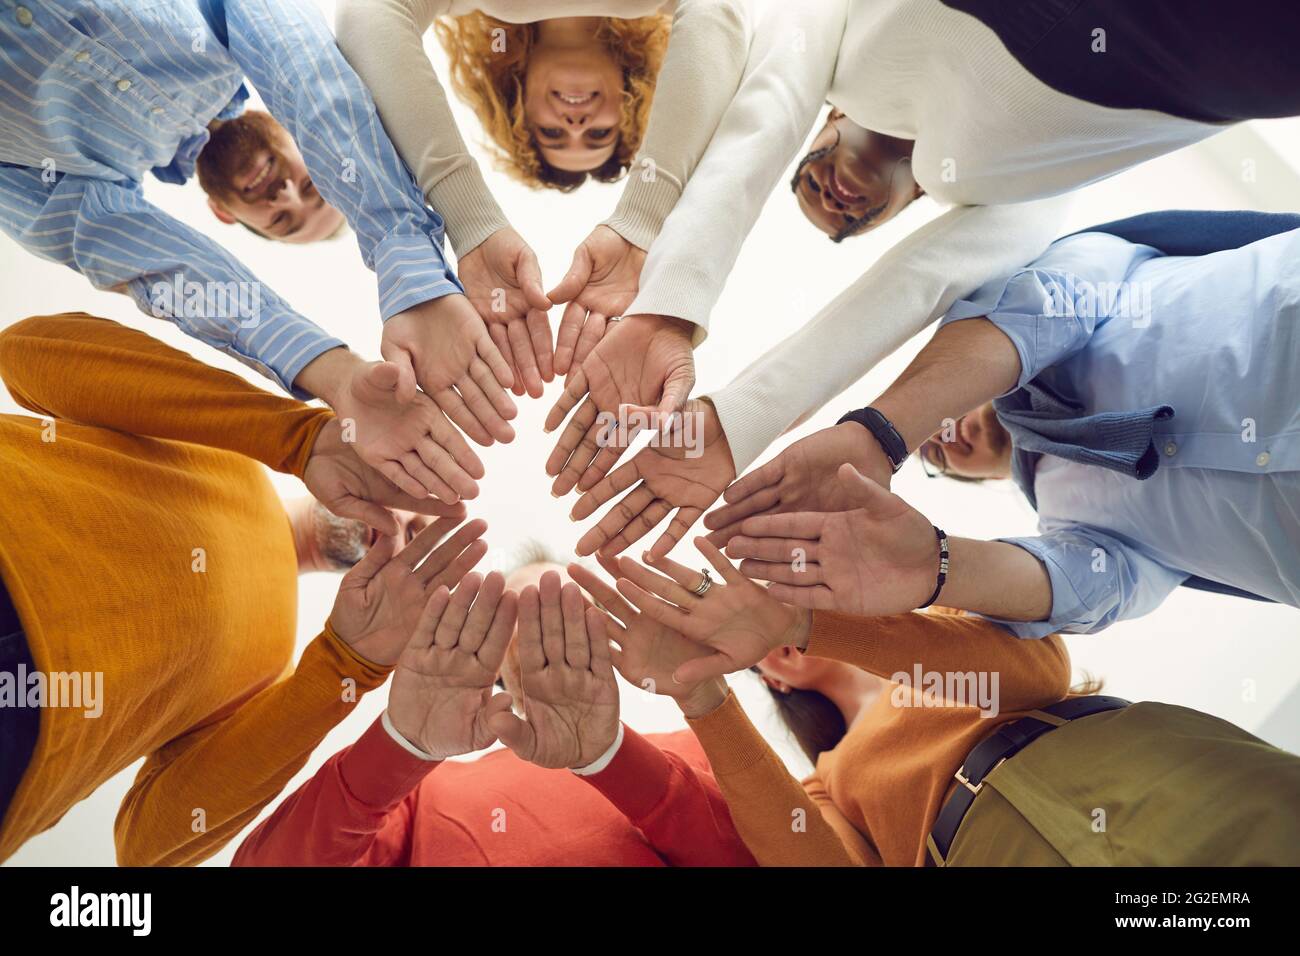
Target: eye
812, 184
600, 133
550, 132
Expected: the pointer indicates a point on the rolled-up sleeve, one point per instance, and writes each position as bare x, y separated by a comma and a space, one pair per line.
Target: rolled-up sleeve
1097, 579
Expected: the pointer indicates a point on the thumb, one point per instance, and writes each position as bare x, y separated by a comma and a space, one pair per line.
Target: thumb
380, 553
704, 668
864, 492
515, 733
530, 280
576, 278
677, 388
397, 375
367, 512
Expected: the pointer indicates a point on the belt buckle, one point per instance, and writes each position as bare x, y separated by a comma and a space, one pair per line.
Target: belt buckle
975, 788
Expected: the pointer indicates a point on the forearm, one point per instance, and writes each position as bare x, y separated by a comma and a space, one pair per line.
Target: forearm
383, 42
233, 768
96, 372
996, 579
680, 810
965, 365
353, 811
700, 73
767, 804
909, 287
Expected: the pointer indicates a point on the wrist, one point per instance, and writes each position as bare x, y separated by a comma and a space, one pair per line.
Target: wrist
706, 697
605, 758
403, 739
327, 375
796, 635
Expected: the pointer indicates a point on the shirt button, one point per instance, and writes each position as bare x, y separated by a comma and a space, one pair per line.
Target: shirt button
123, 85
23, 16
1262, 459
82, 57
1171, 449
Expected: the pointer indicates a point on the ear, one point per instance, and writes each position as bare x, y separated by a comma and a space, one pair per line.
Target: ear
221, 212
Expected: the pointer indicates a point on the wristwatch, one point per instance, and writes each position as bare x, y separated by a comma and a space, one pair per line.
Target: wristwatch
884, 431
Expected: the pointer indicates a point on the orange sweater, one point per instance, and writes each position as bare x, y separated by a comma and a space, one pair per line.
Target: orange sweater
167, 564
873, 798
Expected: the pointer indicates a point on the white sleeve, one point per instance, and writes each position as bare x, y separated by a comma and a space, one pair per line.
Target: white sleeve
791, 61
698, 79
383, 40
907, 288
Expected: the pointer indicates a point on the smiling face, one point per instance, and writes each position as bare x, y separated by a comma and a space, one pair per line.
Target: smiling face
573, 104
853, 179
974, 446
254, 174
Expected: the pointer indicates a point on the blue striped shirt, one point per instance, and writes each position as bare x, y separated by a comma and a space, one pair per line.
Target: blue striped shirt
95, 94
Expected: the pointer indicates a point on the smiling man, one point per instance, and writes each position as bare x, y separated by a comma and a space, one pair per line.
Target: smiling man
254, 174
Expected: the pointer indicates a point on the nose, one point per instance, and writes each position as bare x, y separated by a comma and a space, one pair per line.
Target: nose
286, 196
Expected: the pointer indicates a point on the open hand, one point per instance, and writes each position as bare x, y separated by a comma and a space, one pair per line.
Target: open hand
880, 558
601, 283
570, 695
442, 698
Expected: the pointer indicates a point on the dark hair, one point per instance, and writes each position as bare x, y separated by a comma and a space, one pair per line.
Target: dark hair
816, 723
566, 180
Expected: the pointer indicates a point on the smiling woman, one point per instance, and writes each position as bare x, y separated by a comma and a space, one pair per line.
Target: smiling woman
562, 99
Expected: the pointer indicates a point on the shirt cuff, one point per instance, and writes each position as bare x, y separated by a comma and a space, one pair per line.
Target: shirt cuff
647, 199
746, 418
605, 759
402, 741
410, 270
469, 212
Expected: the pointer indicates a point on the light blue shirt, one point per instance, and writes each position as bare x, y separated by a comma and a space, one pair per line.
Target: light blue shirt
1115, 327
95, 94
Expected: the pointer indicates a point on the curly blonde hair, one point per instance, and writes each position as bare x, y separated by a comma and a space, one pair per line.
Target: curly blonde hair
491, 81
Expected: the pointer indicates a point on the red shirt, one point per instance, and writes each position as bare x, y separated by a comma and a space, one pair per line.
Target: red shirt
375, 804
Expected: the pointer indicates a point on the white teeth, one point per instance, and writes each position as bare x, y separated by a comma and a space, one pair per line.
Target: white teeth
574, 100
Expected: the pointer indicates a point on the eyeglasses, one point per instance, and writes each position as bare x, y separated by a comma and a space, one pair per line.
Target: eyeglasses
931, 457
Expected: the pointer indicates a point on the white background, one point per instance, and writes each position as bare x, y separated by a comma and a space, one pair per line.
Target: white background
1233, 658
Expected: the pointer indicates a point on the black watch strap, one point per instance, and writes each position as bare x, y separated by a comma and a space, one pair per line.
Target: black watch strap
883, 430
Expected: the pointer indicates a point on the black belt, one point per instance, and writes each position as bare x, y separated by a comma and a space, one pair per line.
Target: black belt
1007, 741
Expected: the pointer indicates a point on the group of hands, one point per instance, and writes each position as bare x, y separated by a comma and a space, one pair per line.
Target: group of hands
817, 523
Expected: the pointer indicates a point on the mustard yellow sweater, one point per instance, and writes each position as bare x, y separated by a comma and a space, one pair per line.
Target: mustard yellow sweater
141, 538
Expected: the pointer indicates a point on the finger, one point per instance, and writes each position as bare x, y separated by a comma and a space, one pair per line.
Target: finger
578, 426
379, 554
454, 618
677, 529
481, 614
616, 482
395, 473
677, 389
501, 339
404, 387
447, 437
499, 404
782, 573
498, 368
444, 466
525, 361
819, 598
552, 619
528, 641
654, 608
704, 668
582, 457
592, 332
599, 656
677, 592
798, 524
492, 652
577, 652
539, 331
719, 561
575, 388
439, 558
761, 501
414, 466
497, 704
720, 537
687, 578
623, 513
427, 625
566, 339
367, 512
638, 527
454, 407
764, 476
608, 454
780, 550
602, 593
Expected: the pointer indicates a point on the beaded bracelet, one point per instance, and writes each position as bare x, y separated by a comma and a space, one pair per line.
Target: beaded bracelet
943, 565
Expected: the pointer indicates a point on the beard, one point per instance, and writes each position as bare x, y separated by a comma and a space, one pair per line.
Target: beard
340, 541
231, 148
